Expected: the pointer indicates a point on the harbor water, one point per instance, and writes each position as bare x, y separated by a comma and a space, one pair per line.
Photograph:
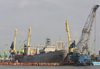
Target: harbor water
49, 67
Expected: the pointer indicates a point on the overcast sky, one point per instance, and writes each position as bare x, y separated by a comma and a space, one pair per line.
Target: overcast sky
46, 19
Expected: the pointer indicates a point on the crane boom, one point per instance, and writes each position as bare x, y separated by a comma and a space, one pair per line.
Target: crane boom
67, 29
18, 45
15, 38
1, 55
91, 51
5, 48
29, 34
5, 52
86, 32
13, 51
29, 50
69, 38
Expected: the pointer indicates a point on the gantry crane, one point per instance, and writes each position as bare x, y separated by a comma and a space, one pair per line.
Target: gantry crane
13, 51
83, 44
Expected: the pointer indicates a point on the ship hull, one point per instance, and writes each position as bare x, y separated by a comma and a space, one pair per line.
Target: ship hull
52, 57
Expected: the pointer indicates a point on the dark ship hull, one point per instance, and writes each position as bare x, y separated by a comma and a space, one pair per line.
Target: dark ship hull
52, 57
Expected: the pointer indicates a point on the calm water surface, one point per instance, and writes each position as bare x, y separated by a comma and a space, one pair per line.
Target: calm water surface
49, 67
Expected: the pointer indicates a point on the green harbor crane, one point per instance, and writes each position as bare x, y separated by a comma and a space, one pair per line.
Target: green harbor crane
1, 55
5, 52
18, 48
22, 47
91, 51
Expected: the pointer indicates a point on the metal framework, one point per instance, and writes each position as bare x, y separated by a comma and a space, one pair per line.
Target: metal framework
86, 32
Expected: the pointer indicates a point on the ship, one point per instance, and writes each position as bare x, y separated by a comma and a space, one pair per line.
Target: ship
41, 53
48, 53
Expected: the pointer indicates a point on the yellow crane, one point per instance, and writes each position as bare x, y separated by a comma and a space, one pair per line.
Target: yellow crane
71, 48
13, 50
29, 34
67, 29
69, 38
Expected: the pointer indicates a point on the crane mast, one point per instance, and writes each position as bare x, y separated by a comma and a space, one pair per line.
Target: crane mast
86, 32
13, 49
67, 29
29, 50
69, 38
29, 34
15, 39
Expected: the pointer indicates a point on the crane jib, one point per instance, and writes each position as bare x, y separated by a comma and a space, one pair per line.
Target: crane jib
86, 32
95, 7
